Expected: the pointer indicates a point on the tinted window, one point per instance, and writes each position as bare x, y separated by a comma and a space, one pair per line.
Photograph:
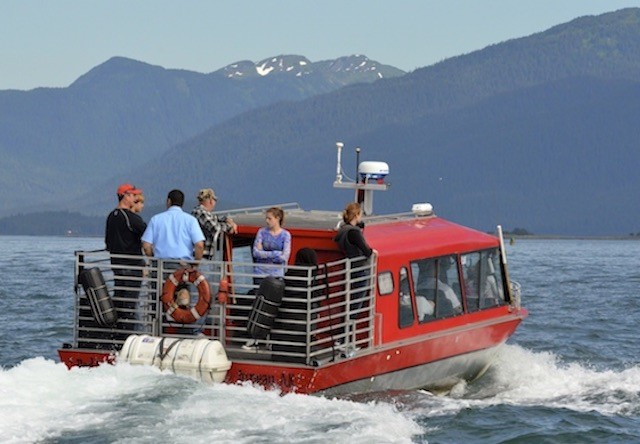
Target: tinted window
483, 279
437, 288
405, 307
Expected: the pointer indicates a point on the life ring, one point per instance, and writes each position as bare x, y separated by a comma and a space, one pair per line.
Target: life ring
185, 315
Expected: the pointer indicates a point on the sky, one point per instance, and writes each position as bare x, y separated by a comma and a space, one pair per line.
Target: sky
50, 43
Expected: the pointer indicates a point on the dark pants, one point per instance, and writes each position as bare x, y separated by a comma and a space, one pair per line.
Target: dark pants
130, 294
126, 299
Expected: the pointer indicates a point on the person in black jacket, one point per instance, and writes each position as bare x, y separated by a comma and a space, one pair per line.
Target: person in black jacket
350, 239
123, 231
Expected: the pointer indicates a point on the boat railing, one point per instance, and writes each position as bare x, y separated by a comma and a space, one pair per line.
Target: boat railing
289, 206
326, 312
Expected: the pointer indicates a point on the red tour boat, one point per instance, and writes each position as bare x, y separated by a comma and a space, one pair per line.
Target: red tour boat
434, 305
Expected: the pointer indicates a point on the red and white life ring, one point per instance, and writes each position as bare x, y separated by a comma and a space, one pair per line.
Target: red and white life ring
185, 315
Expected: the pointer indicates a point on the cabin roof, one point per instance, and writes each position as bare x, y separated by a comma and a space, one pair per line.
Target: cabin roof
403, 234
293, 218
297, 218
426, 237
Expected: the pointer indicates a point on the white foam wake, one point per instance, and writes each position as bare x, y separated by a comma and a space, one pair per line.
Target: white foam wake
40, 399
530, 378
525, 378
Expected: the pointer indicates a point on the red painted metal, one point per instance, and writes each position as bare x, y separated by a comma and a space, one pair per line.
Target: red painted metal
402, 355
84, 358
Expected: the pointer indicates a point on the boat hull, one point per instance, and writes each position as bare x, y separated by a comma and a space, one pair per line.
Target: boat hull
435, 361
76, 357
439, 375
338, 379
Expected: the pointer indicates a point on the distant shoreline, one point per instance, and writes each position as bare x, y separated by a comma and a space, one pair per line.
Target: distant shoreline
507, 237
565, 237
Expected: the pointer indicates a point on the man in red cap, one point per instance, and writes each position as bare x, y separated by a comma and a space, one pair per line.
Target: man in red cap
123, 231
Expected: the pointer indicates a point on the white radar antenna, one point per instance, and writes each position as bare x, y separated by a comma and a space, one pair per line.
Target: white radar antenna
370, 177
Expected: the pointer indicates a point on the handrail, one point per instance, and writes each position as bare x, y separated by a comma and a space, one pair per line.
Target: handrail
317, 309
247, 210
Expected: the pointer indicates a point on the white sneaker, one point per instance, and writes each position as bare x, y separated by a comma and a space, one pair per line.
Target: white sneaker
350, 352
251, 344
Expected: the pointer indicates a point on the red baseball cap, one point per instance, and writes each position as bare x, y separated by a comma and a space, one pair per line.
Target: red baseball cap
127, 188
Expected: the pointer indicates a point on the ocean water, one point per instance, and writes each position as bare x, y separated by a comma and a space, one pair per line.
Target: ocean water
570, 373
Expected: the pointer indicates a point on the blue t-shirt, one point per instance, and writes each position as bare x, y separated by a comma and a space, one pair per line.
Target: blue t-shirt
173, 234
275, 250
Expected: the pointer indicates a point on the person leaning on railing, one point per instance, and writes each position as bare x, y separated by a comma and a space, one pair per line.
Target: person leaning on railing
211, 225
350, 239
272, 246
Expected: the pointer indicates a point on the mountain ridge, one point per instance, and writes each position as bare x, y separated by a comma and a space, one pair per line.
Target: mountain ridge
536, 132
298, 66
395, 110
121, 113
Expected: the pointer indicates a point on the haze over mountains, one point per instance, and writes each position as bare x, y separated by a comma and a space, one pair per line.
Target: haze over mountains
538, 132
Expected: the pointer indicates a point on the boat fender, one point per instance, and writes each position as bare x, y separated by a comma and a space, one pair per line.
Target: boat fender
185, 314
102, 306
265, 307
223, 291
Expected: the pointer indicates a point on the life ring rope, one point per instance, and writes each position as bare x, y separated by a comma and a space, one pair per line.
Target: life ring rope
186, 315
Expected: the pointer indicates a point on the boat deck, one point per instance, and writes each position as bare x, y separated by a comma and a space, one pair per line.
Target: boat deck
317, 321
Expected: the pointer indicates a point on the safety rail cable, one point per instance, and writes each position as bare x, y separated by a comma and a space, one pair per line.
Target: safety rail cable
306, 333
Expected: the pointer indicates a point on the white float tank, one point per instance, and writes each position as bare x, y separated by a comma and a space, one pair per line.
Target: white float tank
201, 359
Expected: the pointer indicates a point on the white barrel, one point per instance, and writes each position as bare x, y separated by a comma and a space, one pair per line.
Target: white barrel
201, 359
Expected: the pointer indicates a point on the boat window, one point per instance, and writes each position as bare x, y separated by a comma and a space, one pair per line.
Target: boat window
437, 288
385, 283
483, 279
405, 307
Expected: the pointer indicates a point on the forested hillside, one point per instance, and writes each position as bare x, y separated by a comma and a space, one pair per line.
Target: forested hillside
55, 143
536, 132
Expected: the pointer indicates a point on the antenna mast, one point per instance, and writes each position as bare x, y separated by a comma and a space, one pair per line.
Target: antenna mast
369, 178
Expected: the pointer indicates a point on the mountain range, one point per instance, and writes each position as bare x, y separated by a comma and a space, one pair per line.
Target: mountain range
537, 132
56, 143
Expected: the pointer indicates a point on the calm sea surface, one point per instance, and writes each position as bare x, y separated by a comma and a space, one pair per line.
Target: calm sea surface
571, 373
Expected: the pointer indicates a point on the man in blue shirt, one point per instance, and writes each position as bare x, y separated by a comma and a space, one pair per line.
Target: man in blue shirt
174, 234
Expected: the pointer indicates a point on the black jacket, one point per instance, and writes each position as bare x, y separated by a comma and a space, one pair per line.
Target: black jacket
352, 242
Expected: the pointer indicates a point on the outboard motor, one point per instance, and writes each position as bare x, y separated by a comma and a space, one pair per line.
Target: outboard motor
101, 304
265, 307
